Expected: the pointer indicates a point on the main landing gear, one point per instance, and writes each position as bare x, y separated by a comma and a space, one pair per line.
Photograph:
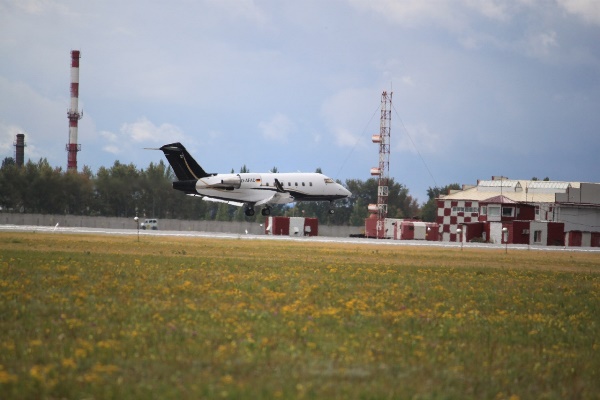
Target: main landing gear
249, 211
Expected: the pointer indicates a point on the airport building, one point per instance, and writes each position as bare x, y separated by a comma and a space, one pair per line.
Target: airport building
502, 210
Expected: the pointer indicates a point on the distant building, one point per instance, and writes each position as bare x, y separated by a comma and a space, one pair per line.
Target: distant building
503, 210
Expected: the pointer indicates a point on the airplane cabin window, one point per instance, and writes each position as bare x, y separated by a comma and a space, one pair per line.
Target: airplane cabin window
296, 183
303, 184
310, 183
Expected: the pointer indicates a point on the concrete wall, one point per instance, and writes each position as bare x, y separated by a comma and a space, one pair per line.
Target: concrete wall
81, 221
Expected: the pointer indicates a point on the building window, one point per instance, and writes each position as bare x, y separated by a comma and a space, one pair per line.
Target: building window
537, 236
483, 210
468, 210
493, 211
508, 211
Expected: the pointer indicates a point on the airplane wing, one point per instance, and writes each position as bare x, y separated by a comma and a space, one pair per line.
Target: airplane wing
277, 198
233, 203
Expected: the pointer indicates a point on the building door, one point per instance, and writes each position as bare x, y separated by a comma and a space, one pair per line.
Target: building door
496, 232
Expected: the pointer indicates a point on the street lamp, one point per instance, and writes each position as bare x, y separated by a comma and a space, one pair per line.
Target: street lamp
137, 221
505, 236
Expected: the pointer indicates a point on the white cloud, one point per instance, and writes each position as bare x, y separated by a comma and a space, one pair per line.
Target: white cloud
496, 10
144, 131
344, 137
417, 139
541, 45
111, 148
408, 12
245, 9
277, 128
408, 80
8, 134
347, 113
588, 10
109, 136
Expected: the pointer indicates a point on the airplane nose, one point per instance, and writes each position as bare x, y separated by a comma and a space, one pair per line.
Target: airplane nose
345, 191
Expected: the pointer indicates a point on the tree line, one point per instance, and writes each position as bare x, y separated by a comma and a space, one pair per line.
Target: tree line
123, 190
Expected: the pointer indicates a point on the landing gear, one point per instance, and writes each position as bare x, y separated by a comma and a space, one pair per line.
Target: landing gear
266, 211
249, 211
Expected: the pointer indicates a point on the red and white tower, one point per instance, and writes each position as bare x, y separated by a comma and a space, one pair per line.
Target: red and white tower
73, 113
383, 170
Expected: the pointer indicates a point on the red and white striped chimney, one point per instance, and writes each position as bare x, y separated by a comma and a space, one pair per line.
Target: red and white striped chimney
73, 113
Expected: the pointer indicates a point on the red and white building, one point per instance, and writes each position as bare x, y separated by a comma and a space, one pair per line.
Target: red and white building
401, 229
292, 226
502, 210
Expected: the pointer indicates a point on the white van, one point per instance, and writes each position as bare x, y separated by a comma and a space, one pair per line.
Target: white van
149, 224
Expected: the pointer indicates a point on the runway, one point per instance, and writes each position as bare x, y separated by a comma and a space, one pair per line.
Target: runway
311, 239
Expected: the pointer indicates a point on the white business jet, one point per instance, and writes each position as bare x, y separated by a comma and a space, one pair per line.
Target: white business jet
249, 189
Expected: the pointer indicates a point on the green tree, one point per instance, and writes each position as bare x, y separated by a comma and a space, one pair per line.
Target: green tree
119, 190
78, 192
400, 203
11, 185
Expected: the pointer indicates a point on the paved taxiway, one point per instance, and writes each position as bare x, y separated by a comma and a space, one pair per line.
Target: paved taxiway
315, 239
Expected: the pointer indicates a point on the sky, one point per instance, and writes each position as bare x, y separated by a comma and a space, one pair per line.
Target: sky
480, 87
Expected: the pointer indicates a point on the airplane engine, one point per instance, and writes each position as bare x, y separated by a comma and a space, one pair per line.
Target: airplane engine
234, 182
227, 182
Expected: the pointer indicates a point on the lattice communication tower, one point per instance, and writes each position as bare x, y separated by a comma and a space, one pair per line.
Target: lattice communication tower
383, 169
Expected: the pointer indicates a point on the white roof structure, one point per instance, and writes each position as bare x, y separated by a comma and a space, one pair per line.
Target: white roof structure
524, 191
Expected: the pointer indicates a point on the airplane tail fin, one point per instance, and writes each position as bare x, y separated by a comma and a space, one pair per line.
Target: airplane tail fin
183, 164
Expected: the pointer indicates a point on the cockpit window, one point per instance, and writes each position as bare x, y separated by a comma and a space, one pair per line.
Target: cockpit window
328, 180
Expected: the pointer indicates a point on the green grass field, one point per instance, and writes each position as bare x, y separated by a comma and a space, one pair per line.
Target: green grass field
95, 317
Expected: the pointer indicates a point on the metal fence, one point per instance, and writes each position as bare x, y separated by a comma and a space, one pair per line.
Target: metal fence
255, 228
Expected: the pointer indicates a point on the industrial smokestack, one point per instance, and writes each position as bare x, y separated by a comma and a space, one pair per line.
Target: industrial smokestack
73, 113
20, 149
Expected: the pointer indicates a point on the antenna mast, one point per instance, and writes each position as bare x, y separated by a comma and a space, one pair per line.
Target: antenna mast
383, 170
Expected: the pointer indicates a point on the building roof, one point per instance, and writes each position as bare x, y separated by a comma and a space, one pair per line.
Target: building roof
498, 200
522, 191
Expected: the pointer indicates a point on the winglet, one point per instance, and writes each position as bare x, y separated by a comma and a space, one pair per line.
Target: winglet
279, 186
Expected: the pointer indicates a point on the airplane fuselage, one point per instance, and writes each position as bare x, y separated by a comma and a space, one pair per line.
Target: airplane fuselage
262, 187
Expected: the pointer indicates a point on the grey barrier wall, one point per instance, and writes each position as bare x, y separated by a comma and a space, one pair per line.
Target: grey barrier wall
82, 221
